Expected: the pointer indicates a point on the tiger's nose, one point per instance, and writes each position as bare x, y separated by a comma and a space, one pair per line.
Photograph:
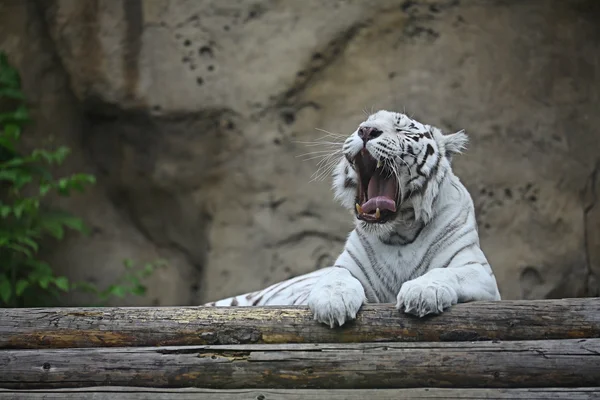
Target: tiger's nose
367, 133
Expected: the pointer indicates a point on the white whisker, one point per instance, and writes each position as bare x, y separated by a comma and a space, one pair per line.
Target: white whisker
324, 156
322, 143
318, 152
338, 135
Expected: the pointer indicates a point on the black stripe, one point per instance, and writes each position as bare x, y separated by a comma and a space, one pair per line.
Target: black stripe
414, 178
349, 183
432, 176
266, 291
375, 265
395, 239
250, 295
385, 146
405, 240
285, 287
298, 299
438, 242
255, 302
362, 268
428, 153
443, 243
483, 264
467, 246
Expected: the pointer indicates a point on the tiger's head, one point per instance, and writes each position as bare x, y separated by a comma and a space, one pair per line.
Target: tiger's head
392, 162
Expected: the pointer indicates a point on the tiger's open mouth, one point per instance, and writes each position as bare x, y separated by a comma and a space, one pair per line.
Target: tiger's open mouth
377, 189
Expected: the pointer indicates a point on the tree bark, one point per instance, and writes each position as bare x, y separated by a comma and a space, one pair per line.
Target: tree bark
517, 364
122, 393
178, 326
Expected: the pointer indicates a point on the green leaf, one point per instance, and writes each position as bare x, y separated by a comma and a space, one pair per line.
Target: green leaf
11, 133
148, 269
44, 188
60, 154
86, 287
42, 155
62, 283
5, 289
40, 172
10, 175
5, 211
20, 115
116, 290
61, 218
22, 180
8, 145
44, 281
139, 290
63, 186
9, 76
18, 176
28, 242
40, 268
22, 284
74, 223
15, 162
20, 249
11, 93
54, 228
18, 210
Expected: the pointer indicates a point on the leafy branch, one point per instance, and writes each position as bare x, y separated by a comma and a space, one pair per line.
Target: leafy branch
25, 181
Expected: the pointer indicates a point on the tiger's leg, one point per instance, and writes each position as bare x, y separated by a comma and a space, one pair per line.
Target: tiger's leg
294, 291
467, 278
336, 297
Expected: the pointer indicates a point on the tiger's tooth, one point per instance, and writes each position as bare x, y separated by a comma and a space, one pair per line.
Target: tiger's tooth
359, 208
379, 164
377, 213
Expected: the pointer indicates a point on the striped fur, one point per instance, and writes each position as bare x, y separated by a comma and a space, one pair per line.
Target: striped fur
425, 260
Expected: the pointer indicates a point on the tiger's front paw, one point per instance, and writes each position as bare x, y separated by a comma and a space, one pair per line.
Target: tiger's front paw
337, 297
425, 295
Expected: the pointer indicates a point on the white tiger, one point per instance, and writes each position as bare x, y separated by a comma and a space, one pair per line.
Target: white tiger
415, 240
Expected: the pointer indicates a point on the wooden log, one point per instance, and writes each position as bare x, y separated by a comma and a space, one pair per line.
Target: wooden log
517, 364
175, 326
118, 393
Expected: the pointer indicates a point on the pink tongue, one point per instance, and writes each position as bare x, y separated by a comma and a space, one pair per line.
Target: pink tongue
380, 194
381, 202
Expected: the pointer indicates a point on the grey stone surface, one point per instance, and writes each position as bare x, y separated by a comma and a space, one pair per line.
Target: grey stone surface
192, 116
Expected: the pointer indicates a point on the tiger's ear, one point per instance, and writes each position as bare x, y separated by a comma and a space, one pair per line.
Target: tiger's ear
455, 143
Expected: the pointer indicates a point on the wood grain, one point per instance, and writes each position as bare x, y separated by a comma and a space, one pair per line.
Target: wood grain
118, 393
516, 364
177, 326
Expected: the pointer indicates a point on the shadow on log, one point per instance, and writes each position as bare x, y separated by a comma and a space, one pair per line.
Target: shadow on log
180, 326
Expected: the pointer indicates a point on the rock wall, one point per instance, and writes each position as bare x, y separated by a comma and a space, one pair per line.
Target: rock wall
192, 115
